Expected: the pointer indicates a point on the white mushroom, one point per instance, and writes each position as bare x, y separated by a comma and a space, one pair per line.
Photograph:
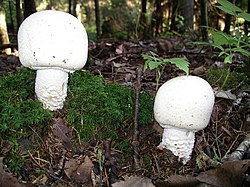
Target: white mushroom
54, 43
183, 105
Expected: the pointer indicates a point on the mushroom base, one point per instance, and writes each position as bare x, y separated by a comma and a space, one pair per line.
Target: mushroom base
179, 141
51, 88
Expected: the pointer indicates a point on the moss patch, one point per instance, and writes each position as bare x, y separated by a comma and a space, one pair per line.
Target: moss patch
95, 106
96, 109
225, 79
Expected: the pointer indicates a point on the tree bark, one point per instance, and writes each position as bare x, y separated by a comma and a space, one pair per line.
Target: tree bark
143, 19
74, 8
247, 23
204, 20
187, 11
4, 37
174, 4
29, 7
228, 20
70, 5
18, 13
97, 19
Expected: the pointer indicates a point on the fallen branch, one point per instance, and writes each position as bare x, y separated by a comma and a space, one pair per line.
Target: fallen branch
135, 142
239, 152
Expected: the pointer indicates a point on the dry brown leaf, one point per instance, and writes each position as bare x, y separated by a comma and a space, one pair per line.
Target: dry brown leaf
62, 132
71, 167
178, 180
6, 179
79, 172
135, 181
83, 173
229, 174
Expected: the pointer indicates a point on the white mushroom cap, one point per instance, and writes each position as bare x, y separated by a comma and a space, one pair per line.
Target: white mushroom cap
52, 39
183, 105
184, 102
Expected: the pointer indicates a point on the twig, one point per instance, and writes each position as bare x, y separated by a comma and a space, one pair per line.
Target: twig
135, 142
240, 151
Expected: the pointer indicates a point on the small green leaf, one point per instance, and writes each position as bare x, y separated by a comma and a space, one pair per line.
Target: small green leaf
181, 63
228, 6
229, 11
245, 16
229, 59
242, 51
154, 64
219, 38
221, 53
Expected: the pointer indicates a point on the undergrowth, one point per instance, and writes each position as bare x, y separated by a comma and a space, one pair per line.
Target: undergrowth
225, 79
96, 109
18, 113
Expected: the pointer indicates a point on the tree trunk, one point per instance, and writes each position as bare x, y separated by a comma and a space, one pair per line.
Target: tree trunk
247, 23
74, 8
227, 23
174, 4
29, 7
4, 37
18, 13
204, 20
144, 27
70, 5
11, 27
157, 17
228, 20
187, 11
97, 19
143, 19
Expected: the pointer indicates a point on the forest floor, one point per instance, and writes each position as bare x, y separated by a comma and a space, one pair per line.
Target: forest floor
212, 162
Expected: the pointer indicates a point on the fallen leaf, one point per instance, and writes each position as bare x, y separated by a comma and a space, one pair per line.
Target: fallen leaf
71, 167
135, 181
229, 174
83, 172
6, 179
178, 180
224, 94
79, 171
62, 132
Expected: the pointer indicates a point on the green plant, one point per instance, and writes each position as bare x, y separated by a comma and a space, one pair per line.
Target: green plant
18, 113
153, 61
229, 45
94, 106
124, 146
224, 80
17, 108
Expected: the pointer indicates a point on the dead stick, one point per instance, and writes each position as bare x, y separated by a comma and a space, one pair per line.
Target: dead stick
135, 142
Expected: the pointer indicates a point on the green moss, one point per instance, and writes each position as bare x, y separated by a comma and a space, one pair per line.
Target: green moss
18, 112
17, 109
224, 78
94, 106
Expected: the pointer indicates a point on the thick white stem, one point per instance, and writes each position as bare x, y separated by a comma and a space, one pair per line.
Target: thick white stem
51, 88
179, 141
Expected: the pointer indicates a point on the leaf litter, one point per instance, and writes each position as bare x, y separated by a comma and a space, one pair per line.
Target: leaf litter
67, 165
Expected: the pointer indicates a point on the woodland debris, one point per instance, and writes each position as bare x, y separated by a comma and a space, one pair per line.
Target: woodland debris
6, 179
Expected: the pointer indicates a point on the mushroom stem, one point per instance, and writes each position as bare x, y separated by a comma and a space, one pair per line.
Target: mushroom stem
51, 87
179, 141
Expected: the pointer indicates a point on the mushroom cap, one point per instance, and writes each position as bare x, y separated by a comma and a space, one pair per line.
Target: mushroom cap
52, 39
184, 102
